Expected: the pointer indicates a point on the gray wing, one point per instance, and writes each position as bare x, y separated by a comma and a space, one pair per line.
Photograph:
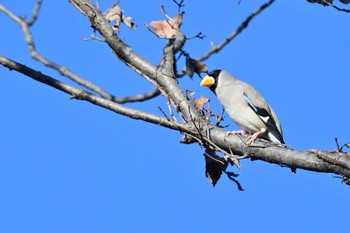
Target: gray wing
258, 104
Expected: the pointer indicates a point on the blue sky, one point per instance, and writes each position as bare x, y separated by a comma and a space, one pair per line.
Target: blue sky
69, 166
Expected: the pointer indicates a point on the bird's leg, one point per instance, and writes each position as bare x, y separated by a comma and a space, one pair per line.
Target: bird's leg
254, 136
240, 132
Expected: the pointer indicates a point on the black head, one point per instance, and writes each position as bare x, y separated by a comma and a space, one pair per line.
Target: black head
215, 75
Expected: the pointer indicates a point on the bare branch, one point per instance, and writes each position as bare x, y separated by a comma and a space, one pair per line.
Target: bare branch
35, 13
179, 4
244, 25
231, 144
163, 77
162, 9
123, 51
137, 98
329, 3
61, 69
340, 159
90, 97
199, 35
10, 14
336, 7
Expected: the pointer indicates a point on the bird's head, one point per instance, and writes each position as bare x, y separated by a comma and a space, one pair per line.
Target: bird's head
211, 80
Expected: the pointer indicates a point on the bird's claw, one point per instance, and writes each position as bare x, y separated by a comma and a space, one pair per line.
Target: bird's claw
254, 136
238, 132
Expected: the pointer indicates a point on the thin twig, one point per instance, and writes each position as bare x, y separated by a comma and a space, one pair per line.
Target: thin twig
207, 138
199, 35
215, 159
216, 49
35, 13
164, 114
137, 98
98, 4
179, 4
171, 111
94, 37
35, 55
162, 9
243, 25
330, 3
81, 94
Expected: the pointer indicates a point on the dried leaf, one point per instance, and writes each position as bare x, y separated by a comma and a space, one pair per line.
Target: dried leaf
163, 29
214, 166
200, 102
195, 66
128, 22
167, 28
347, 145
116, 14
234, 161
190, 93
177, 21
199, 67
189, 68
231, 176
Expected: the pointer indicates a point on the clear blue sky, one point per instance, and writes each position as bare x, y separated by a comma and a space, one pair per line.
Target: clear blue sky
69, 166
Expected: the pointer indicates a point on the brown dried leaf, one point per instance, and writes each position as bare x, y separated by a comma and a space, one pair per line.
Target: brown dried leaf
194, 66
167, 28
116, 14
176, 22
113, 13
199, 67
163, 29
190, 93
214, 166
189, 68
200, 102
128, 22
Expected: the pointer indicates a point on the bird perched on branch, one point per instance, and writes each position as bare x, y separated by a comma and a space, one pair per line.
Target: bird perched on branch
245, 106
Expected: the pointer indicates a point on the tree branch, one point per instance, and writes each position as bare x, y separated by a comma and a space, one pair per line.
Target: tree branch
35, 13
123, 51
226, 41
194, 125
308, 160
164, 80
330, 3
233, 35
81, 94
137, 98
25, 27
265, 151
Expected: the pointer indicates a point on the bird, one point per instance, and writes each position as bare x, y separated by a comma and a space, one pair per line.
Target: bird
245, 106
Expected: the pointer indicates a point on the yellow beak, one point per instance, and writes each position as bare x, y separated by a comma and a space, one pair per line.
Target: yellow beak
207, 81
